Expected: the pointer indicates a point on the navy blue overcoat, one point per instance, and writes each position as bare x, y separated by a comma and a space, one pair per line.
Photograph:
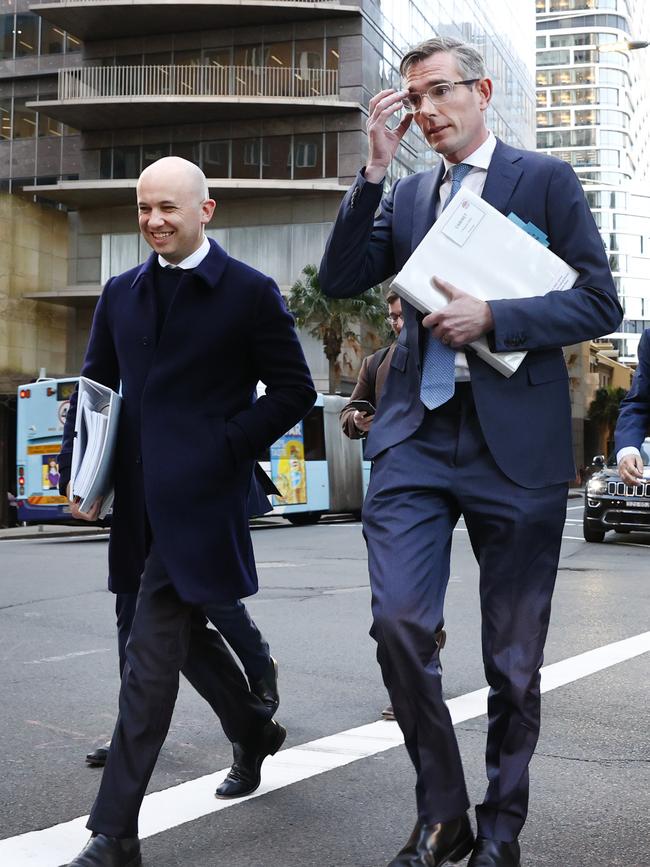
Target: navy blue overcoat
190, 426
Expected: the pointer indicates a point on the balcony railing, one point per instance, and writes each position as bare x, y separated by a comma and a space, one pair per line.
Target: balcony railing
114, 82
148, 2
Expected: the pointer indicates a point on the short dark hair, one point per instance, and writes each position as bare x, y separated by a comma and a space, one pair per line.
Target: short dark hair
469, 59
392, 297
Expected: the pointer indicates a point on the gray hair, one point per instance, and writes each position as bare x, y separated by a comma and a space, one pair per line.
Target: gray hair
469, 59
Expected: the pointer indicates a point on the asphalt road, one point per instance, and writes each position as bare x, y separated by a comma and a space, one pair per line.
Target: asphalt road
590, 779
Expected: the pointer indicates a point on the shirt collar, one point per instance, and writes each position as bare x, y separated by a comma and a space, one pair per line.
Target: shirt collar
192, 260
481, 157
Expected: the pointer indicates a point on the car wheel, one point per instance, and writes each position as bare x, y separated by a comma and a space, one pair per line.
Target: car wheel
303, 519
592, 534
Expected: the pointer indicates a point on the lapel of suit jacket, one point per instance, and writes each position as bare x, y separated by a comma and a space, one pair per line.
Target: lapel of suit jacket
502, 176
143, 284
424, 206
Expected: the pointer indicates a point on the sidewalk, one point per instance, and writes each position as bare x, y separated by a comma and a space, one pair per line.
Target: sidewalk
51, 531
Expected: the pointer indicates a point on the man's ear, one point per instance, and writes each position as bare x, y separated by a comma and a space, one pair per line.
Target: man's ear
485, 89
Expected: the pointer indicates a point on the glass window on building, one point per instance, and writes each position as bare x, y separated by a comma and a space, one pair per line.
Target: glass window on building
248, 55
5, 118
24, 120
72, 43
553, 58
247, 157
47, 126
278, 55
332, 53
153, 152
218, 56
216, 159
52, 38
26, 35
309, 55
331, 155
126, 162
106, 163
7, 36
188, 58
308, 156
278, 149
187, 150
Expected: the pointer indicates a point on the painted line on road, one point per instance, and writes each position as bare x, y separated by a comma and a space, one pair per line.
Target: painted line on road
190, 801
67, 656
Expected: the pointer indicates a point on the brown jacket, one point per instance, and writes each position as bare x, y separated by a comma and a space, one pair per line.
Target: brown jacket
366, 390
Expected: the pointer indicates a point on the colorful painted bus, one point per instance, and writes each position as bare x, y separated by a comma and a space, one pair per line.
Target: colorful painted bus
41, 410
316, 468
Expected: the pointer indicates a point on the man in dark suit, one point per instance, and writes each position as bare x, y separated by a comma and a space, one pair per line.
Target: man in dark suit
633, 424
453, 437
187, 337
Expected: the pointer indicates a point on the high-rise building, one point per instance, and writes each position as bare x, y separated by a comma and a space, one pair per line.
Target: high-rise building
270, 98
593, 111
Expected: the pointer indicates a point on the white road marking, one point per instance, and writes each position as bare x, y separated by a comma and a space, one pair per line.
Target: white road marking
194, 799
66, 656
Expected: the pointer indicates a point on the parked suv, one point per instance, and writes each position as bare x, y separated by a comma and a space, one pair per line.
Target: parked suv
610, 504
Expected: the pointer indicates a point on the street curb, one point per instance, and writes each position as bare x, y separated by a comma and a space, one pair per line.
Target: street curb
46, 531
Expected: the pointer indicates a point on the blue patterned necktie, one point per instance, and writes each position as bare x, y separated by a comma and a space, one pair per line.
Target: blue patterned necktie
438, 365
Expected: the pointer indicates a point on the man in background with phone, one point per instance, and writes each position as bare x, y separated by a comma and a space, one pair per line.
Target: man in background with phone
374, 370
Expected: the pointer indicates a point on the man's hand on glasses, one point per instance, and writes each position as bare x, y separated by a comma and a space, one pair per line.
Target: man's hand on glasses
383, 141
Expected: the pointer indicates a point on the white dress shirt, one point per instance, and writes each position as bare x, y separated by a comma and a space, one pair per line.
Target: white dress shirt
191, 261
474, 181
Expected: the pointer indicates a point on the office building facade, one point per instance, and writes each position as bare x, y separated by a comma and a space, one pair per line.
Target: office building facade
269, 98
593, 111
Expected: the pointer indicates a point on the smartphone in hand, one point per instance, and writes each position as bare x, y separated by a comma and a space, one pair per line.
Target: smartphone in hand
363, 406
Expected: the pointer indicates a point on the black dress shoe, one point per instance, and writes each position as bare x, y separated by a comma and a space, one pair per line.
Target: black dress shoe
445, 842
266, 688
103, 851
408, 854
495, 853
97, 759
245, 774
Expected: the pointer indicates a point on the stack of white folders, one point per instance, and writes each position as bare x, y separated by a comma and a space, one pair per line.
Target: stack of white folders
481, 252
93, 453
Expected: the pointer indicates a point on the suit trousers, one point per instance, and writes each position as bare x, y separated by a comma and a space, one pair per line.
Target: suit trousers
167, 635
418, 490
231, 619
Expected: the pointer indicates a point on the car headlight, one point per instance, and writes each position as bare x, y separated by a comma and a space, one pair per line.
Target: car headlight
596, 486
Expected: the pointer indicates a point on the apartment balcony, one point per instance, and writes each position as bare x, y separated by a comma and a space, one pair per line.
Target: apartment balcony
110, 97
82, 194
111, 19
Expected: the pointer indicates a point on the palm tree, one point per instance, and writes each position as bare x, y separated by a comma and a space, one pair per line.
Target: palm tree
603, 411
334, 319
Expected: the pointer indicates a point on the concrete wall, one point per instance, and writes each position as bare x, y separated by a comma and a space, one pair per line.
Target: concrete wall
33, 258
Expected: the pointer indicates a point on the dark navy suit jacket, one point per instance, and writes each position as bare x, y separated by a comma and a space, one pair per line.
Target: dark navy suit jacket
526, 419
633, 424
190, 426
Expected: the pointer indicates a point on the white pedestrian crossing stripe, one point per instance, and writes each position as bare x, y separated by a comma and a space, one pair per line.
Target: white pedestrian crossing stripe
189, 801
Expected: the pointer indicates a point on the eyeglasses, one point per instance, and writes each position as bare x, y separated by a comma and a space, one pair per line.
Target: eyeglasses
439, 93
392, 318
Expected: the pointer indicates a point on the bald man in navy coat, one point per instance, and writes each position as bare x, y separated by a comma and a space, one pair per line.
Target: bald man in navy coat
187, 336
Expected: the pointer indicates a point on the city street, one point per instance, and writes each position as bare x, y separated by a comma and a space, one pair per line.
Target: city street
340, 793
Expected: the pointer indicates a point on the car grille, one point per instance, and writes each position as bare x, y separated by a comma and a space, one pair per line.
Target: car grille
620, 489
627, 518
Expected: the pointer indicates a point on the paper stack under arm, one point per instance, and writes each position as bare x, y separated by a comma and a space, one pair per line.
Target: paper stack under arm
93, 453
481, 252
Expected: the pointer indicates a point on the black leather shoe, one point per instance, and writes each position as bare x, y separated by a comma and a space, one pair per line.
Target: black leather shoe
495, 853
103, 851
388, 712
445, 842
266, 688
97, 759
408, 854
245, 774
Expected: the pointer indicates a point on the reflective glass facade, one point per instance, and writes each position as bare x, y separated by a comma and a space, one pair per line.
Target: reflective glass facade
593, 112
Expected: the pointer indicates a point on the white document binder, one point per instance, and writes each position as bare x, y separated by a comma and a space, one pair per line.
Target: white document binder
95, 439
481, 252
